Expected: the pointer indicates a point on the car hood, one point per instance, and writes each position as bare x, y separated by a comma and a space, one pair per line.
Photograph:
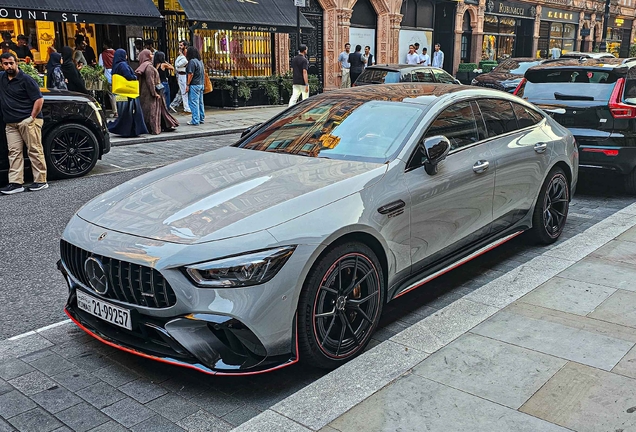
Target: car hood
226, 193
498, 78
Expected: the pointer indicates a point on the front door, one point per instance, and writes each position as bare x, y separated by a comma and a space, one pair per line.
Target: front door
312, 38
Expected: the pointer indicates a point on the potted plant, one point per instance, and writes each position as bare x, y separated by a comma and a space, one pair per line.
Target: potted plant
28, 69
94, 77
464, 72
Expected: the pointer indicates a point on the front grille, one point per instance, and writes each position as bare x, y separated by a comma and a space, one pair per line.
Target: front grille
128, 282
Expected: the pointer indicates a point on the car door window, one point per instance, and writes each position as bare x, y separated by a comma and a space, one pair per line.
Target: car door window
498, 116
481, 126
525, 116
423, 75
443, 77
406, 77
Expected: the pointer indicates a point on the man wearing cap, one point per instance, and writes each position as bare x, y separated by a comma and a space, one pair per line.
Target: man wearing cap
22, 50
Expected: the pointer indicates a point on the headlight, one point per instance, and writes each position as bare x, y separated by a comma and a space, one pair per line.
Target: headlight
239, 271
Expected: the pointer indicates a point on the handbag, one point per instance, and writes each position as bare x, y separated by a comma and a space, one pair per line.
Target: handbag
159, 88
125, 88
207, 84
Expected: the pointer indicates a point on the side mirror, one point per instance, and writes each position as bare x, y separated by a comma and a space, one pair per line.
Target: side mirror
250, 129
436, 149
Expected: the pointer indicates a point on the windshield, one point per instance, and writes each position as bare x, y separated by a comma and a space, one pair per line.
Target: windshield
516, 67
569, 84
378, 76
338, 129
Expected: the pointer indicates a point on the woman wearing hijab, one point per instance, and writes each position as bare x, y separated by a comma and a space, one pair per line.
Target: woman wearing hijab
74, 80
154, 108
163, 67
130, 120
54, 75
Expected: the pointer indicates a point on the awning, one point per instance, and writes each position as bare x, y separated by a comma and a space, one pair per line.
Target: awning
116, 12
276, 16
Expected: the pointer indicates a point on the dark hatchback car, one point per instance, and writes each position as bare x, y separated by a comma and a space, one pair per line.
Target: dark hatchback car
74, 135
596, 100
507, 75
399, 73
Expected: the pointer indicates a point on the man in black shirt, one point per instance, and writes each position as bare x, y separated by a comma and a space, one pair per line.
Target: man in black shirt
22, 49
300, 82
357, 64
21, 106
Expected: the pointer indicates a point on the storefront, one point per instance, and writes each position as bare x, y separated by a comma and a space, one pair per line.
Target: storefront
363, 27
416, 26
619, 36
557, 32
508, 30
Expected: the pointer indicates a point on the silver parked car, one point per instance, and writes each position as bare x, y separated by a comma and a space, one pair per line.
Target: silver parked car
286, 245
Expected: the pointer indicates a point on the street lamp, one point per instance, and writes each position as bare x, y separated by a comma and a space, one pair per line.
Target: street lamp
606, 17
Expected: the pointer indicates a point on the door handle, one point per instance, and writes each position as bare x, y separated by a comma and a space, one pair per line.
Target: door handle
540, 147
481, 166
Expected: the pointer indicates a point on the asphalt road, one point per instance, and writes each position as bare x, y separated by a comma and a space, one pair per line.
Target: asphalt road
33, 293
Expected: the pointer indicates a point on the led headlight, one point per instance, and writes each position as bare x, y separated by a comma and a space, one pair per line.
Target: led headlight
242, 270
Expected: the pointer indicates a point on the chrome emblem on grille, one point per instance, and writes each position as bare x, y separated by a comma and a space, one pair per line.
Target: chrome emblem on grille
96, 275
101, 237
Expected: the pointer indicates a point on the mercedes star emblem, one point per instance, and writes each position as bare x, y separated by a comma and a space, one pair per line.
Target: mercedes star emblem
96, 275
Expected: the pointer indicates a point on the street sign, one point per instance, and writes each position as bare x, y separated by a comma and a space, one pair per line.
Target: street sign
585, 32
299, 3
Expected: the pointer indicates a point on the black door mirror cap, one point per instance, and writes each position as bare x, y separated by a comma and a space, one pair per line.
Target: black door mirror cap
250, 129
436, 149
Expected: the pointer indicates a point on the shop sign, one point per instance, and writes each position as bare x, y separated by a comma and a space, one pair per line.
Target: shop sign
38, 15
549, 14
510, 8
585, 32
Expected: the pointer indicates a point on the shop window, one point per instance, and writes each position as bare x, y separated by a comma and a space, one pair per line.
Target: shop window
556, 30
491, 24
235, 53
500, 42
417, 14
507, 25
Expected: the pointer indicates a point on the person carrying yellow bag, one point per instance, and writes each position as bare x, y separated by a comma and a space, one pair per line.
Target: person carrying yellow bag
130, 122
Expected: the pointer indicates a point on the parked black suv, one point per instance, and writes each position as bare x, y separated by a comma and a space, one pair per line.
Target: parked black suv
596, 100
397, 73
74, 135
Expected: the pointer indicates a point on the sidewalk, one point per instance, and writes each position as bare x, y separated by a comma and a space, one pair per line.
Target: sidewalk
217, 122
549, 346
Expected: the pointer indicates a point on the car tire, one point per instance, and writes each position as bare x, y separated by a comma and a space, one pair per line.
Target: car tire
71, 150
551, 210
630, 182
336, 316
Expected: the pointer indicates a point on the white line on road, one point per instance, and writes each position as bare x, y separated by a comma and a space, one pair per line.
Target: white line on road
41, 329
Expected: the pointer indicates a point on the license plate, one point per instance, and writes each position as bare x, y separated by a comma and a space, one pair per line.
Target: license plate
104, 310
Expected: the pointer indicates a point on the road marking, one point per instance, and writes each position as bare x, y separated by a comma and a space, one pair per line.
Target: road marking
116, 166
41, 329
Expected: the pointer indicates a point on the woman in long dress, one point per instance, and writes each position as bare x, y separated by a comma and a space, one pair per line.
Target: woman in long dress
54, 75
74, 80
153, 105
130, 120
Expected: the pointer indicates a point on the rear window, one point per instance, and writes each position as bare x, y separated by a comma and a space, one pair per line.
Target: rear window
379, 76
569, 84
516, 67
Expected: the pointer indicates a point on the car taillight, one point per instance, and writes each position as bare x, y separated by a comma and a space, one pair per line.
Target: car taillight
606, 152
619, 109
520, 86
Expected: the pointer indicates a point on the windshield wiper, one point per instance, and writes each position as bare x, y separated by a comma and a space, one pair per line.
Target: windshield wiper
561, 96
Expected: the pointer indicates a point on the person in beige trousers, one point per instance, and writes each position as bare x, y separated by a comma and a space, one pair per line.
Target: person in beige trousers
21, 108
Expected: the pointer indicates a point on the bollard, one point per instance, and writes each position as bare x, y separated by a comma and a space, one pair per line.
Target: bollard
280, 90
235, 98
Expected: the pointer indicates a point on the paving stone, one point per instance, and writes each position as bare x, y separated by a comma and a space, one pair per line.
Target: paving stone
414, 400
143, 390
76, 379
568, 295
52, 364
92, 361
5, 387
218, 403
202, 421
82, 417
35, 420
128, 412
156, 424
620, 308
116, 375
566, 340
111, 426
241, 415
616, 250
74, 348
56, 399
63, 429
31, 383
23, 346
173, 407
14, 368
629, 235
5, 427
101, 395
36, 355
270, 421
603, 272
14, 403
627, 365
586, 400
494, 370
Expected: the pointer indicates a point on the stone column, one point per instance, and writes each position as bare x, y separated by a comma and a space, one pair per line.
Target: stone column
343, 17
331, 49
577, 46
478, 32
537, 26
281, 46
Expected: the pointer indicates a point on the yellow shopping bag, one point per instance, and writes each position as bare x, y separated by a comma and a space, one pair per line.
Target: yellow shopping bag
123, 87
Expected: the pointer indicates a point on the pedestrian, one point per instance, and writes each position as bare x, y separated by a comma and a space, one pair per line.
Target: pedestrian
106, 61
54, 75
6, 37
130, 119
425, 59
153, 106
89, 52
300, 82
149, 44
416, 45
412, 57
343, 59
78, 54
74, 80
164, 68
356, 64
7, 48
21, 108
22, 50
438, 57
180, 67
194, 87
367, 57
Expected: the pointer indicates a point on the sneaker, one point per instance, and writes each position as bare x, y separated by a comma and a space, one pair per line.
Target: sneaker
187, 112
172, 109
193, 124
37, 186
202, 121
12, 188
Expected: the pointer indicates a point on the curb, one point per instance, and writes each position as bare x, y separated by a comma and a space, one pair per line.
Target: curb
321, 402
167, 136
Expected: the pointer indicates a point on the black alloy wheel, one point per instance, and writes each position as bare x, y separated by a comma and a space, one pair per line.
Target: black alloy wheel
552, 207
71, 150
341, 305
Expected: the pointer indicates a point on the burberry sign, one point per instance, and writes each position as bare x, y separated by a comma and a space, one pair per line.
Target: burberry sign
38, 15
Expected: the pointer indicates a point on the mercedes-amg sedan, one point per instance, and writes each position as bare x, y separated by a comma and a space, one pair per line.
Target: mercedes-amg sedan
286, 245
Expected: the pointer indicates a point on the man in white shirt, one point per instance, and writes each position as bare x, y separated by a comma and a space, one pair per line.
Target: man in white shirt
343, 59
412, 57
180, 69
438, 57
425, 59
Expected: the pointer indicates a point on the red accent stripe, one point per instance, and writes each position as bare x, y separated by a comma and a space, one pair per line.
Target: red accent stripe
182, 364
457, 264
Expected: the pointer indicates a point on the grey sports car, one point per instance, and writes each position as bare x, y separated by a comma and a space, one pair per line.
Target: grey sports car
286, 245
